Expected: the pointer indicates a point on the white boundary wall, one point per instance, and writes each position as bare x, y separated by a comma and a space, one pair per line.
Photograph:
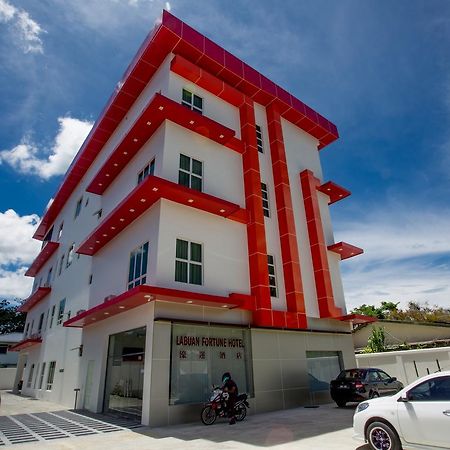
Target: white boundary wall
408, 365
7, 375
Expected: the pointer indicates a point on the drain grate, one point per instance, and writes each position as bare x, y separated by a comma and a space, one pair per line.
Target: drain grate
12, 432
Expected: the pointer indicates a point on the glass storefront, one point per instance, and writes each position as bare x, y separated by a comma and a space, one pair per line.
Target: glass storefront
125, 373
323, 366
201, 354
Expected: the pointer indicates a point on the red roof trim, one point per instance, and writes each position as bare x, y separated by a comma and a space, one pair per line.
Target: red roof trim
334, 191
143, 197
44, 255
39, 294
357, 318
157, 111
29, 342
172, 35
345, 250
141, 295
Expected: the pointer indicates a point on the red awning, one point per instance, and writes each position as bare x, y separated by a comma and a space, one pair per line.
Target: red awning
44, 255
143, 197
345, 250
29, 342
157, 111
334, 191
357, 319
39, 294
141, 295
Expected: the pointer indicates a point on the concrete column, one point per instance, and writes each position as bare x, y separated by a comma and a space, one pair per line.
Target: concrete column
19, 372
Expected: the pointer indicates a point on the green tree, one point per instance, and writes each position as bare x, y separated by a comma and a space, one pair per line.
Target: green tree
376, 342
10, 319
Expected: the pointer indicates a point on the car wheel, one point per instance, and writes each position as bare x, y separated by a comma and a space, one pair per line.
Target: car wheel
341, 403
381, 436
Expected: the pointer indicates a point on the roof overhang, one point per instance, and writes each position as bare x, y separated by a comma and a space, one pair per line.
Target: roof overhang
143, 197
334, 191
44, 255
173, 35
29, 342
39, 294
357, 319
345, 250
144, 294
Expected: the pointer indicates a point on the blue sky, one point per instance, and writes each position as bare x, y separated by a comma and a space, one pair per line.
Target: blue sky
378, 69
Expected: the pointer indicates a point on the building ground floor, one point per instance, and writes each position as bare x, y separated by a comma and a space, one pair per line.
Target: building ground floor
158, 364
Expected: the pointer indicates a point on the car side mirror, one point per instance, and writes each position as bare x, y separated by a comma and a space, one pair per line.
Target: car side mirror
404, 398
393, 379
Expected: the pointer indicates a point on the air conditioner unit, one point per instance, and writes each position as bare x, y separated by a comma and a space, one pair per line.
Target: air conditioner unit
108, 297
80, 311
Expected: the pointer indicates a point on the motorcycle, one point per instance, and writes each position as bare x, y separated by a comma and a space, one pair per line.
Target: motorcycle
216, 407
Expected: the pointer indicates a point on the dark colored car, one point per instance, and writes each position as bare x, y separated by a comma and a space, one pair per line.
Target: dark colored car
356, 385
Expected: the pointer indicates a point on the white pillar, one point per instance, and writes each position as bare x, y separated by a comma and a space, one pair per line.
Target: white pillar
19, 372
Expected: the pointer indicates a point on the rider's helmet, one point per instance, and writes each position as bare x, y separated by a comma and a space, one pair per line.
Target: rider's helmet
225, 377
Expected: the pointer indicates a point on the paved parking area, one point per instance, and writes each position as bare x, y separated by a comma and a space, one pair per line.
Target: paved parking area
322, 428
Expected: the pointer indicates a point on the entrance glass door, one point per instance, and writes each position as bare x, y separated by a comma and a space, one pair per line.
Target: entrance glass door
125, 373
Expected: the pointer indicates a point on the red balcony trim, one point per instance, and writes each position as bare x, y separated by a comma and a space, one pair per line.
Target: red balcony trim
44, 255
28, 342
141, 295
172, 35
334, 191
143, 197
39, 294
345, 250
357, 319
157, 111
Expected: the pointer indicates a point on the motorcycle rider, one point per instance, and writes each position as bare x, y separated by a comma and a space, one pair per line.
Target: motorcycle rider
229, 386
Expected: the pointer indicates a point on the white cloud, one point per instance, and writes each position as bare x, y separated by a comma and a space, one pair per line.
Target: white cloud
26, 31
27, 157
17, 250
406, 256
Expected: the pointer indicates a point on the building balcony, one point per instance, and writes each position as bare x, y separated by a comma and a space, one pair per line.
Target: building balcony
158, 110
345, 250
29, 341
39, 294
46, 252
144, 294
143, 197
334, 191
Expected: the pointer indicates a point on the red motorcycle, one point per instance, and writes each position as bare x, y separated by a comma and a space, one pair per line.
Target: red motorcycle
216, 407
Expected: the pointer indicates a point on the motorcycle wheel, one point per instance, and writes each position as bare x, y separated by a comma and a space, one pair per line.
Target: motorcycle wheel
208, 415
241, 412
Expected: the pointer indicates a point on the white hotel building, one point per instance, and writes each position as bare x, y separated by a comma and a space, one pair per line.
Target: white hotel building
190, 236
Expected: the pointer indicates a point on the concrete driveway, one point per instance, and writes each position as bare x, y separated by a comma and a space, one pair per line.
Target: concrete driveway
326, 427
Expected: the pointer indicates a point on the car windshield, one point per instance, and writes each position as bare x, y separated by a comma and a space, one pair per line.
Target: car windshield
353, 374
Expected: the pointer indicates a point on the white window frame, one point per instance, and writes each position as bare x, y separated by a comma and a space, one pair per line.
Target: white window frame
190, 103
190, 173
273, 285
30, 376
41, 376
60, 317
190, 262
142, 278
150, 167
51, 375
70, 254
52, 316
265, 199
60, 230
259, 139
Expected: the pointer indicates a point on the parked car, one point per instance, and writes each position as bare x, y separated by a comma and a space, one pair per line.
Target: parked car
417, 417
356, 385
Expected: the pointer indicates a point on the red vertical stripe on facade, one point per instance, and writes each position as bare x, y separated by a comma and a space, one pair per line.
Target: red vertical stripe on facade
327, 307
256, 235
295, 301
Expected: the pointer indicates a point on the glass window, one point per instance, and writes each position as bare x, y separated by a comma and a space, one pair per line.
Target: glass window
259, 140
70, 255
98, 213
188, 262
62, 305
435, 390
148, 170
51, 375
27, 328
60, 231
272, 276
190, 173
192, 101
78, 207
48, 237
36, 378
323, 366
41, 321
3, 349
265, 199
384, 376
41, 377
61, 265
53, 315
30, 376
49, 276
137, 271
200, 354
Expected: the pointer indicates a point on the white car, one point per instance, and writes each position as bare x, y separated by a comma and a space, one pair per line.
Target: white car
417, 417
